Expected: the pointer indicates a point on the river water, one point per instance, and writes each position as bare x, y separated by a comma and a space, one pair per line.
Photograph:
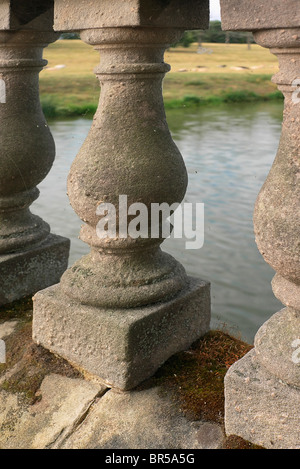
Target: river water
228, 151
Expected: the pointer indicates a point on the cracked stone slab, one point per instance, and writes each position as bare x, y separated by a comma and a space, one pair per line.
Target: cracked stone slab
144, 419
64, 403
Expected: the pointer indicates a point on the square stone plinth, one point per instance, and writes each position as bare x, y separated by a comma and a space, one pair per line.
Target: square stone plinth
122, 347
24, 273
261, 408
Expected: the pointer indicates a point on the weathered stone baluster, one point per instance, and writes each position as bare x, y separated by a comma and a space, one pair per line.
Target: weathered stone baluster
263, 389
30, 257
122, 310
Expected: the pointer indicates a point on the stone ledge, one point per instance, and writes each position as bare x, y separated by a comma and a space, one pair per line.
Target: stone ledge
36, 409
47, 423
73, 15
239, 15
148, 420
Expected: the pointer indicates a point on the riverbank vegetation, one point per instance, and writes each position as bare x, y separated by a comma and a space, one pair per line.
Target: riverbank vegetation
212, 74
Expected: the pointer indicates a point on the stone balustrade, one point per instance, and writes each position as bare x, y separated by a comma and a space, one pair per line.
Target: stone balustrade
126, 307
263, 389
121, 311
30, 257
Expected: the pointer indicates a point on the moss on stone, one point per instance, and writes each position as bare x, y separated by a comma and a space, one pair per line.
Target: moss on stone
20, 310
27, 364
196, 379
236, 442
196, 376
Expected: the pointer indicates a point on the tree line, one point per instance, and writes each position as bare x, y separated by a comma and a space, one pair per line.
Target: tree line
213, 34
216, 34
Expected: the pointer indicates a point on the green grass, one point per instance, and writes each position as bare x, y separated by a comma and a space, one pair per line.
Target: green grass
230, 74
54, 107
229, 97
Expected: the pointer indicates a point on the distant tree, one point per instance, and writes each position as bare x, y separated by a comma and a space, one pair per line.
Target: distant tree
199, 40
241, 37
217, 35
70, 36
214, 33
188, 38
249, 40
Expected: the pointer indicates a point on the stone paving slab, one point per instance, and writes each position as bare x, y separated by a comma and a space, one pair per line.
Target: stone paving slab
77, 414
68, 410
64, 403
144, 419
71, 413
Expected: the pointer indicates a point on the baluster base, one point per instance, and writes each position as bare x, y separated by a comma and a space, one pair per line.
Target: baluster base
24, 273
259, 407
123, 347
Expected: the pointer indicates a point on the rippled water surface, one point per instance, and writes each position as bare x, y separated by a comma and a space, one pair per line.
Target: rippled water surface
228, 152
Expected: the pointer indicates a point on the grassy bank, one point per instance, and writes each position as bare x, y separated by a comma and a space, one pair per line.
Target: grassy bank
223, 74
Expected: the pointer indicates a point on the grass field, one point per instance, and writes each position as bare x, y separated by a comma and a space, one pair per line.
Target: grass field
224, 73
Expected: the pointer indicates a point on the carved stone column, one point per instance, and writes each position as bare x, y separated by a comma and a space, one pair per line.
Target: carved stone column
263, 389
30, 257
126, 307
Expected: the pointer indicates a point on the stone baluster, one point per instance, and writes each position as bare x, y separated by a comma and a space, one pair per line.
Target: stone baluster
30, 257
263, 389
126, 307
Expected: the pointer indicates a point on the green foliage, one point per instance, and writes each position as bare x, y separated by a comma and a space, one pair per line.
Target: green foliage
188, 38
52, 108
230, 97
215, 34
70, 36
242, 96
55, 108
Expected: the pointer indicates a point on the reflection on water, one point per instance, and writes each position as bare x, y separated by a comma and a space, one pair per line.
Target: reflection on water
228, 152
